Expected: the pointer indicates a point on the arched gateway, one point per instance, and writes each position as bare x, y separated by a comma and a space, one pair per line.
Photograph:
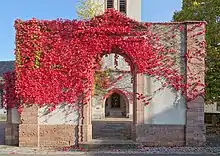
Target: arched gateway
165, 121
116, 105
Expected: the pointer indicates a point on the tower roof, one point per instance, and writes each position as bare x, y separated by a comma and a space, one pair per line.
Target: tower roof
6, 66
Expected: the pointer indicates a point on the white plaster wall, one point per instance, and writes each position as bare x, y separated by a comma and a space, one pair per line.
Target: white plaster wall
211, 108
133, 7
63, 114
15, 116
109, 63
3, 114
98, 108
166, 107
98, 103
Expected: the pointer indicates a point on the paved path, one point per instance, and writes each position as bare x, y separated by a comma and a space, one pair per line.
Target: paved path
212, 147
114, 155
16, 151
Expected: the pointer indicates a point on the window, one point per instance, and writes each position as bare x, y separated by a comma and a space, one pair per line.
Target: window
110, 4
217, 19
122, 6
1, 98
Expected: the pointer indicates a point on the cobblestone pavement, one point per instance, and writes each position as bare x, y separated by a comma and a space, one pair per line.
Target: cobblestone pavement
212, 147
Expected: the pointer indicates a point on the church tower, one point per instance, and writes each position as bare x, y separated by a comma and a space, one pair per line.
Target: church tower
132, 8
118, 104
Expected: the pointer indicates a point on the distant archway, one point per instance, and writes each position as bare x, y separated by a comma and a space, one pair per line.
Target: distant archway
116, 104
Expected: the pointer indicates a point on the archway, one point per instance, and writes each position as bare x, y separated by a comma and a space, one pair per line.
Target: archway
112, 112
117, 105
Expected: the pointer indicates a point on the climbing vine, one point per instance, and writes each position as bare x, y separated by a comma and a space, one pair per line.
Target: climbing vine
58, 59
102, 80
9, 96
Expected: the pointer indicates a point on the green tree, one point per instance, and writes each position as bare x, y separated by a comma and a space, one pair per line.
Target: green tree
206, 10
87, 9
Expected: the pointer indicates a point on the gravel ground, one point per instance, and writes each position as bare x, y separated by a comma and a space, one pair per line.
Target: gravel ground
137, 154
148, 150
212, 147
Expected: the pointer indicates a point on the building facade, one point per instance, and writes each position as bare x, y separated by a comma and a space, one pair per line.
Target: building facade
166, 121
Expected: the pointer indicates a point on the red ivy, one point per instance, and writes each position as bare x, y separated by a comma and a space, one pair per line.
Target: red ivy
56, 60
9, 96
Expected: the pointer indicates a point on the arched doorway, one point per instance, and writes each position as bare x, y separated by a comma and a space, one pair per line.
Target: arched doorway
116, 106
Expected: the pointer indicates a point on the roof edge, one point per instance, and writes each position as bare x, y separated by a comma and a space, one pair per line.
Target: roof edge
167, 23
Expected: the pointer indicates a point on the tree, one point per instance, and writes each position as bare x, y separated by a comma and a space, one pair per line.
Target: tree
206, 10
88, 9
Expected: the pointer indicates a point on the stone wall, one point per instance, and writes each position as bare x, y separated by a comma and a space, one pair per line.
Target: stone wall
195, 126
57, 135
161, 135
11, 127
40, 128
29, 128
191, 133
168, 107
124, 85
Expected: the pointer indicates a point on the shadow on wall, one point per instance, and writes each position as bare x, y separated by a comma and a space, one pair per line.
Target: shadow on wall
167, 105
63, 114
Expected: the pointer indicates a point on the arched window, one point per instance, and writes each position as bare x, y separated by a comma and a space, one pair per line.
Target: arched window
123, 6
110, 4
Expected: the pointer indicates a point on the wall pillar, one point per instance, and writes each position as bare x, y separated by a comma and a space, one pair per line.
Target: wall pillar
85, 125
195, 126
11, 129
29, 128
138, 108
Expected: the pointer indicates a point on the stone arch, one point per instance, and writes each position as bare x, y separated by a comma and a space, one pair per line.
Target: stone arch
138, 107
118, 91
123, 95
117, 50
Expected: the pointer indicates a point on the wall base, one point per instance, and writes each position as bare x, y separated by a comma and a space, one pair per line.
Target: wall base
160, 135
33, 135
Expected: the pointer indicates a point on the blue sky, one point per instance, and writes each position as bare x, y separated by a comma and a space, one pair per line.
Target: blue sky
10, 10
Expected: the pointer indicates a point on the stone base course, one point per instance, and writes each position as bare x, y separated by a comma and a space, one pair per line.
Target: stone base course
160, 135
56, 135
195, 126
33, 135
11, 135
28, 135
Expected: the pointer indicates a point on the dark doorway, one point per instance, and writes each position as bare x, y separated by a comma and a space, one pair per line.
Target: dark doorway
115, 100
